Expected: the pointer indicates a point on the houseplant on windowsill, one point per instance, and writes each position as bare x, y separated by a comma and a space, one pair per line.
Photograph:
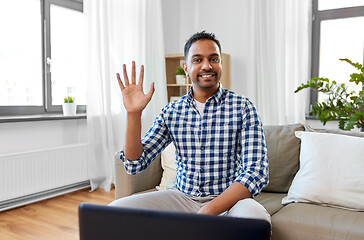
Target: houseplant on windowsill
347, 107
69, 106
180, 76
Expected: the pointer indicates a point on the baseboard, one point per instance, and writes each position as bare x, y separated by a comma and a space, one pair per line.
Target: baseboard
36, 197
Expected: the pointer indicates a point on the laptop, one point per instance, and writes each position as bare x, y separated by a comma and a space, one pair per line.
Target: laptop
105, 222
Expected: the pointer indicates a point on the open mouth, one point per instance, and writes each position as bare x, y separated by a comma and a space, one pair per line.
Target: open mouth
206, 76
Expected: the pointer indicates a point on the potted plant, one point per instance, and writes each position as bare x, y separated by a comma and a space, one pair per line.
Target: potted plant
69, 106
180, 76
347, 107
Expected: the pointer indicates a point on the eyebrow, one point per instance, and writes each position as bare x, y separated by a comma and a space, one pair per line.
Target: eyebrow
200, 55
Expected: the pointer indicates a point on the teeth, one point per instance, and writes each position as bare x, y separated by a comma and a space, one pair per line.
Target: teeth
205, 76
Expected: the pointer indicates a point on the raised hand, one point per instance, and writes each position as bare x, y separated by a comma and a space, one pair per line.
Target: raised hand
133, 96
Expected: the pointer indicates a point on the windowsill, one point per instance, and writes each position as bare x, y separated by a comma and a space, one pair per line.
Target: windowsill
40, 117
308, 117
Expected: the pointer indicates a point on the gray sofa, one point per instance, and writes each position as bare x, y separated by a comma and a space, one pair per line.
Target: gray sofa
292, 221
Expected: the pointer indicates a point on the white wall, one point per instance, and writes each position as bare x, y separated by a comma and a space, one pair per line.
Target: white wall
22, 137
171, 21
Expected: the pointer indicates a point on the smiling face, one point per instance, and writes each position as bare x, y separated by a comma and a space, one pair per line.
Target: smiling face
203, 65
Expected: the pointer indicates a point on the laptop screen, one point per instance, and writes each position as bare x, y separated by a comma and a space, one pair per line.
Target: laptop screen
104, 222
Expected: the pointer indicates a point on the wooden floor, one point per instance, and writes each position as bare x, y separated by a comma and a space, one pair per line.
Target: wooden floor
51, 219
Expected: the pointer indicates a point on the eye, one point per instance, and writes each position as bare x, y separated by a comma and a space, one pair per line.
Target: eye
196, 60
215, 59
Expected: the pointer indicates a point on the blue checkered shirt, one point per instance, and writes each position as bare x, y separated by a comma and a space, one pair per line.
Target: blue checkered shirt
225, 145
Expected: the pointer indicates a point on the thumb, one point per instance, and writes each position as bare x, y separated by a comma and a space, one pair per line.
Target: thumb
151, 91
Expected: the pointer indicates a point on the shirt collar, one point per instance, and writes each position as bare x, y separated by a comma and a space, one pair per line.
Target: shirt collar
218, 96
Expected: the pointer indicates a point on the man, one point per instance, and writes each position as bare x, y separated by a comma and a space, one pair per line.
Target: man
221, 153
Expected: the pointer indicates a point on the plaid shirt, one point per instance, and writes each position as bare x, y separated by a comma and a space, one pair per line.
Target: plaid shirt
225, 145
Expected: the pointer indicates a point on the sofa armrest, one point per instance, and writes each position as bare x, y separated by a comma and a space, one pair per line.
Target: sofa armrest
126, 184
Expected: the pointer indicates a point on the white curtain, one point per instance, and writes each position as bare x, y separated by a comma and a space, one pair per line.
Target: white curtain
280, 36
117, 32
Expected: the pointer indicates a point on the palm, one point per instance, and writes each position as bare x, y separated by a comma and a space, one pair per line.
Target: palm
133, 96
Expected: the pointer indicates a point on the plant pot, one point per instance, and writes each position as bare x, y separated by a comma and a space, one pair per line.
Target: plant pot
180, 79
69, 109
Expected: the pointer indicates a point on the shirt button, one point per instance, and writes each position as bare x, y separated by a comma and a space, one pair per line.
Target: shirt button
201, 169
202, 148
200, 189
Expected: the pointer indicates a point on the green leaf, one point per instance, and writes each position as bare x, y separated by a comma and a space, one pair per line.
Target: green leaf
357, 78
180, 71
69, 99
356, 65
342, 124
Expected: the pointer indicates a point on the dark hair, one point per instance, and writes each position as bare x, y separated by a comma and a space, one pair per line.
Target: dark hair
200, 36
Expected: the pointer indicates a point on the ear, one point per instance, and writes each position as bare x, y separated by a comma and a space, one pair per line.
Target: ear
184, 66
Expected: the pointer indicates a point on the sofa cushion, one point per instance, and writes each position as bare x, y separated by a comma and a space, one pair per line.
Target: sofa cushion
331, 171
271, 201
302, 221
168, 162
283, 156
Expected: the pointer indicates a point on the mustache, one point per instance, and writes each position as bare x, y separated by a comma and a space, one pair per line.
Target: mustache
204, 72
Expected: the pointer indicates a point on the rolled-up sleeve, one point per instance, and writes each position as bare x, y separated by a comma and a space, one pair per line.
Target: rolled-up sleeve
254, 158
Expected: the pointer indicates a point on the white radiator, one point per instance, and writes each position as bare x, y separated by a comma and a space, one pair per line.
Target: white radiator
29, 173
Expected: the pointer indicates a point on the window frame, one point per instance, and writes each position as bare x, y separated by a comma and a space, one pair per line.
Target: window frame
317, 17
47, 106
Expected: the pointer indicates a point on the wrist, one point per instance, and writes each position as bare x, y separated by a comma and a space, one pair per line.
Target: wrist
209, 209
134, 115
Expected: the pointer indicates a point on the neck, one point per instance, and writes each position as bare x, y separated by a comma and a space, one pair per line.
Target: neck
202, 94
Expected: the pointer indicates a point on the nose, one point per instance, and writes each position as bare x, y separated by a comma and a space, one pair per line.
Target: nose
206, 65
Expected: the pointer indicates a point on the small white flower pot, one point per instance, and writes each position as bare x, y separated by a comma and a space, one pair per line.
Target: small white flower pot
69, 109
180, 79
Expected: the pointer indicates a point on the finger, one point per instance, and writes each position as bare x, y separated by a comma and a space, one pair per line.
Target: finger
126, 79
133, 77
141, 76
121, 85
151, 91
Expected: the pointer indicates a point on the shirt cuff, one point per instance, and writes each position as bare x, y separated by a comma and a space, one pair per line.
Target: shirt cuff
132, 166
254, 185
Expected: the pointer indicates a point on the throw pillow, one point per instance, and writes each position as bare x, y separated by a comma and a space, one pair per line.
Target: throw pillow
331, 171
283, 155
168, 162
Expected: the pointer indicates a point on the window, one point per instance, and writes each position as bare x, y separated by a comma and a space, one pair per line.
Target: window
20, 54
67, 42
337, 32
41, 55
